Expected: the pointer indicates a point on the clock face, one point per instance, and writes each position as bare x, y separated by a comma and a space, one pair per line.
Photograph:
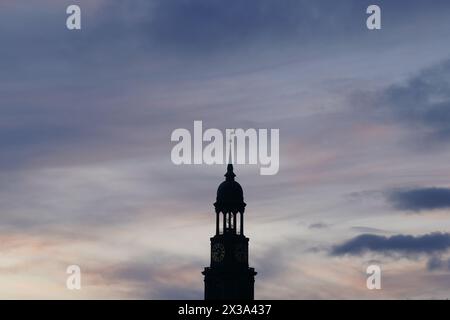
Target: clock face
218, 252
241, 253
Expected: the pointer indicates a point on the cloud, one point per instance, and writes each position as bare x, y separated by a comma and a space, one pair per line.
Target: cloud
162, 276
407, 244
181, 27
318, 225
421, 104
367, 229
420, 199
436, 263
205, 25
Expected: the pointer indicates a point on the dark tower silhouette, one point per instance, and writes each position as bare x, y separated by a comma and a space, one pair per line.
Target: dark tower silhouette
229, 276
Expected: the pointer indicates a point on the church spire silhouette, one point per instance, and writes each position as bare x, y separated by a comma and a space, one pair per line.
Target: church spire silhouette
229, 275
230, 172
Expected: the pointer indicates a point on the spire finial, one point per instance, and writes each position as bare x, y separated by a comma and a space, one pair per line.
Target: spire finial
230, 174
231, 147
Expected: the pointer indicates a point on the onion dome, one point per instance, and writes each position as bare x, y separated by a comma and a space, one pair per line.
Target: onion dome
230, 197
